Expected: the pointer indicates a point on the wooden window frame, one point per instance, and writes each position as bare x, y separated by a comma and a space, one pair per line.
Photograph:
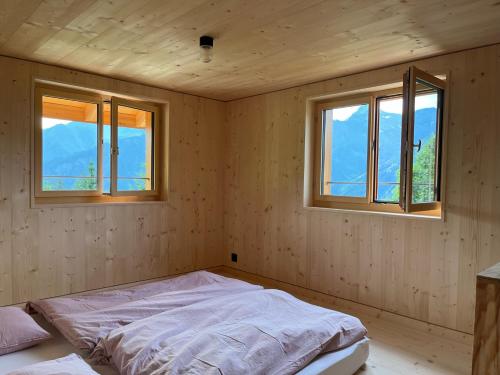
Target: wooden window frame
371, 204
320, 108
379, 96
409, 92
40, 92
42, 197
115, 103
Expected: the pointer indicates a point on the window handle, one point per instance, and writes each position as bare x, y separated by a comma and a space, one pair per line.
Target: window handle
418, 145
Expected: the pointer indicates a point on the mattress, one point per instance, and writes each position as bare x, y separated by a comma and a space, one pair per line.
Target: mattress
341, 362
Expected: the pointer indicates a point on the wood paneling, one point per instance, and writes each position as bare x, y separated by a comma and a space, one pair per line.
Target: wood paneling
58, 250
486, 359
424, 269
260, 45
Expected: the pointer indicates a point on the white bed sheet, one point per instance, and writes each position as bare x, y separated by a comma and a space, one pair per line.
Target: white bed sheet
341, 362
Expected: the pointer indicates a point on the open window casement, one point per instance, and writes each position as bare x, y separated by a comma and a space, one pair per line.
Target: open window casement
129, 119
421, 142
381, 150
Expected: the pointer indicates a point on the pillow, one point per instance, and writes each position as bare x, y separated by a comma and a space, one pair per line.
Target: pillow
18, 330
72, 365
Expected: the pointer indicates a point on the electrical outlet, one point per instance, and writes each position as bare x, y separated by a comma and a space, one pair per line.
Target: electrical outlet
234, 257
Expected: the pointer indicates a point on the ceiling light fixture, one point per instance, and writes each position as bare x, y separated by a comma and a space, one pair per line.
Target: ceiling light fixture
206, 48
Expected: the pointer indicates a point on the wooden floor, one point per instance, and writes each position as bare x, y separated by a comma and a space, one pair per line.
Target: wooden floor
398, 345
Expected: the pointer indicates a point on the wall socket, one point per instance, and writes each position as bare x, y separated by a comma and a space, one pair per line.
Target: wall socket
234, 257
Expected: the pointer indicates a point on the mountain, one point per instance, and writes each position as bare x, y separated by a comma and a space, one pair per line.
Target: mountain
71, 150
349, 143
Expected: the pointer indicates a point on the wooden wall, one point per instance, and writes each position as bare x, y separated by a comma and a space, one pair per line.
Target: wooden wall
53, 251
486, 353
418, 268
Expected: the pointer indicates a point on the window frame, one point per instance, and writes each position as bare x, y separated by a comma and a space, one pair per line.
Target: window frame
328, 105
68, 94
378, 96
410, 93
40, 196
115, 103
371, 204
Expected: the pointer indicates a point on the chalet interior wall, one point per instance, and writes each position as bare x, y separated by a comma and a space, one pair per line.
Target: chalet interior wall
422, 269
418, 268
53, 251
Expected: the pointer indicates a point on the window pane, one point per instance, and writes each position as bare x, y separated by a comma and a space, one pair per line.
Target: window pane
135, 145
106, 150
345, 151
424, 149
389, 149
69, 145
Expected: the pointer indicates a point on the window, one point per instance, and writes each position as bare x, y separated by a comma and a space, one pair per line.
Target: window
382, 151
388, 153
345, 128
92, 148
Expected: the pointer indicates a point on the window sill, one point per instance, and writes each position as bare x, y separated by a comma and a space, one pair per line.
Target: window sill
49, 202
376, 213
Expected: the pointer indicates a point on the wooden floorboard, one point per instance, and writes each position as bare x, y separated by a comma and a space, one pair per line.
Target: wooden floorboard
399, 345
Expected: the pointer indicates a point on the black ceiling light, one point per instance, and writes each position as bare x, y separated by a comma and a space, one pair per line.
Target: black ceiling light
206, 48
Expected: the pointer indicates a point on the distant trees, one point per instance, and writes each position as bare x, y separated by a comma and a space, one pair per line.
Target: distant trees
52, 185
90, 182
423, 174
87, 183
140, 185
82, 183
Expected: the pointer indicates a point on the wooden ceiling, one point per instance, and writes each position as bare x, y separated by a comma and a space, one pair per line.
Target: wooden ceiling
260, 45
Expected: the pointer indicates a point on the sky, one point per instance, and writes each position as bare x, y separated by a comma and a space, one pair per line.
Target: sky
390, 105
339, 114
50, 122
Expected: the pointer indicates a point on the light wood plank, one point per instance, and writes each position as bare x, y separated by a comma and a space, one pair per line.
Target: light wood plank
260, 46
50, 251
418, 268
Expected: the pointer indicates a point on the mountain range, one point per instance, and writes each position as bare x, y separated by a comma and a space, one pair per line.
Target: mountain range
349, 144
71, 150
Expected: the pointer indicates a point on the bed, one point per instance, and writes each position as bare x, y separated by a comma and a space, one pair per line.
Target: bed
254, 332
107, 324
342, 362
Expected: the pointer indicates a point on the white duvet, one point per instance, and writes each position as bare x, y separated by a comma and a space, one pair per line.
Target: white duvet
254, 332
85, 319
